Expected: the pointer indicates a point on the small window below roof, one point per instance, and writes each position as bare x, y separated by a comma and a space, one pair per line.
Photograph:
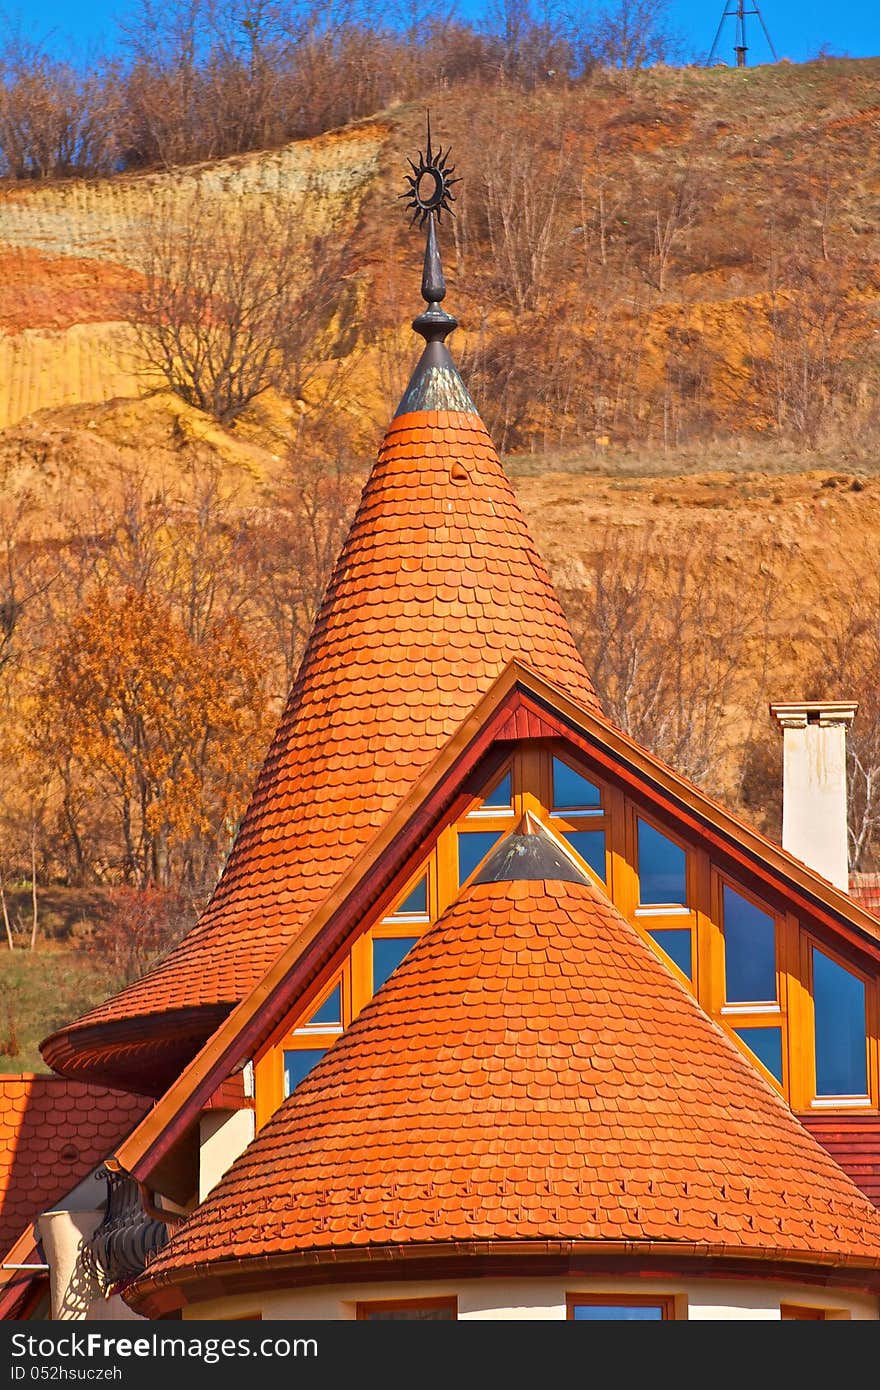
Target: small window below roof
572, 793
662, 869
415, 904
840, 1029
677, 943
749, 950
388, 952
611, 1308
473, 846
766, 1043
499, 800
590, 845
328, 1014
298, 1062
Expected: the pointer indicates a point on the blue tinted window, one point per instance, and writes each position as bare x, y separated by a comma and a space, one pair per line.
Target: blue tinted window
501, 796
330, 1012
473, 846
766, 1043
749, 951
662, 866
618, 1312
298, 1064
676, 942
416, 903
571, 791
590, 845
839, 1003
388, 952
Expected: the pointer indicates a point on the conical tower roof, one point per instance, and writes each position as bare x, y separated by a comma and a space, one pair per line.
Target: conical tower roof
437, 589
531, 1072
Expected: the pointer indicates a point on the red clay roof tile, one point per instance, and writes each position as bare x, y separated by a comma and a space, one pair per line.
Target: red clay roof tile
53, 1132
397, 657
560, 1118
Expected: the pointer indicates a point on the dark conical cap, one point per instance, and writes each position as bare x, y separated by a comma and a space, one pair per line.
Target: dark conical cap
530, 852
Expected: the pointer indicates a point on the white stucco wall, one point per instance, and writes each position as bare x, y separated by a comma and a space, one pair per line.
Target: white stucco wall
223, 1135
544, 1299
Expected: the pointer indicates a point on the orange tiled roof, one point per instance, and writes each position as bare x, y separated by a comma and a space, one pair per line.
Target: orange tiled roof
531, 1072
53, 1132
437, 588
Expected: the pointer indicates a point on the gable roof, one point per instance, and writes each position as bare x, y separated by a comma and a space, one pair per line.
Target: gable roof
520, 705
531, 1073
53, 1132
437, 589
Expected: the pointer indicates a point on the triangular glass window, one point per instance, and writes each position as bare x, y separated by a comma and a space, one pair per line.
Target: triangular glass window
328, 1014
571, 791
298, 1064
500, 798
590, 845
415, 904
473, 846
388, 952
766, 1043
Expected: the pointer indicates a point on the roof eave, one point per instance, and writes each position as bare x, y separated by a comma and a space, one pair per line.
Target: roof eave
170, 1290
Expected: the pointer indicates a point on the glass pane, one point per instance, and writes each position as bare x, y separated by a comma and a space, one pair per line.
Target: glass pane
571, 791
766, 1043
473, 846
618, 1312
500, 797
661, 868
676, 942
388, 952
330, 1012
298, 1064
590, 845
416, 904
749, 951
839, 1002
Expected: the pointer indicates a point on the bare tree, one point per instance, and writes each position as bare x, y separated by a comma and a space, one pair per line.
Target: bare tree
672, 652
56, 122
236, 303
632, 34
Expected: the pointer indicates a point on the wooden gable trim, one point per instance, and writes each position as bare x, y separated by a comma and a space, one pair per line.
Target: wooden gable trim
521, 704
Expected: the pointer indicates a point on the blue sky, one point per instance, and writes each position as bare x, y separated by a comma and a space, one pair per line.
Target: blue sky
798, 28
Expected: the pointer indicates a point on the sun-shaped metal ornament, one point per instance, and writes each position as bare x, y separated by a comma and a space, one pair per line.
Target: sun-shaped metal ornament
430, 184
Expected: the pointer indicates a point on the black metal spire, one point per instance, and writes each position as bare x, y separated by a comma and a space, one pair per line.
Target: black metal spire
435, 383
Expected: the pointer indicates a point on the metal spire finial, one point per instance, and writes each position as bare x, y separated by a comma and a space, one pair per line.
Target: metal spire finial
435, 384
428, 196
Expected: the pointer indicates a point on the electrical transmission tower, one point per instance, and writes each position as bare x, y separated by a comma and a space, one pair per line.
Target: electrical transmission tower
736, 10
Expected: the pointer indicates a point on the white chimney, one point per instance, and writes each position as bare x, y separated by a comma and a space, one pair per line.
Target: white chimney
814, 783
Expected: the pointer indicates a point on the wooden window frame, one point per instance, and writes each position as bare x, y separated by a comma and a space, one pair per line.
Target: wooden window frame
801, 1312
844, 1104
665, 1301
566, 813
651, 917
752, 1009
391, 1305
569, 820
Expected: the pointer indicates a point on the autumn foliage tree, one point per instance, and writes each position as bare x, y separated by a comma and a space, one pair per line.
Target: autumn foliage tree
161, 726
